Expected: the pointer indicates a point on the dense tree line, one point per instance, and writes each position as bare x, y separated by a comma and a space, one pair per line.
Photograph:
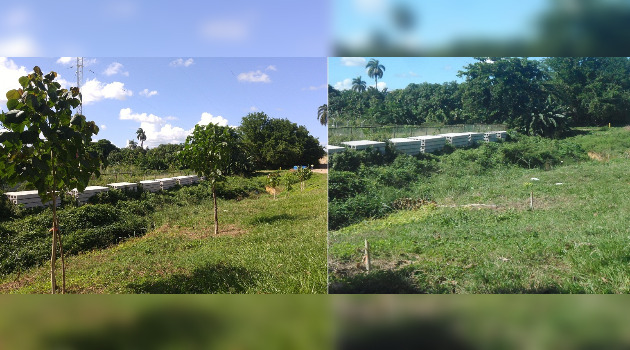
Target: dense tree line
537, 97
262, 143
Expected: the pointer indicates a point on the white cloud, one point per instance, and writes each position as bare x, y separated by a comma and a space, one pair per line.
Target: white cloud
207, 118
346, 84
271, 67
115, 68
148, 93
103, 127
353, 61
66, 60
19, 46
180, 62
488, 60
158, 134
9, 75
254, 77
126, 114
381, 85
253, 109
226, 29
158, 131
313, 88
155, 127
94, 90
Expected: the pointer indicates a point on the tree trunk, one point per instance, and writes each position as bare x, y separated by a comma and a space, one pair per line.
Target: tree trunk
53, 256
216, 219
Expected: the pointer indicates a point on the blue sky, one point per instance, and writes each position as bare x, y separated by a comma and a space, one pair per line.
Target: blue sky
435, 22
399, 71
142, 28
168, 96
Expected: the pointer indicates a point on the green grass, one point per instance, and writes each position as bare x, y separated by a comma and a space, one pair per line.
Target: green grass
576, 240
264, 246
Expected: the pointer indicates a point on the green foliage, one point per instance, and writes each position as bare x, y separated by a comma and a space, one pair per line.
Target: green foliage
289, 179
210, 151
42, 107
536, 97
26, 242
273, 179
351, 160
365, 184
375, 70
278, 143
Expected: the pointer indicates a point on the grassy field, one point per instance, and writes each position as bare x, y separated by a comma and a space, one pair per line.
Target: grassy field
480, 236
264, 246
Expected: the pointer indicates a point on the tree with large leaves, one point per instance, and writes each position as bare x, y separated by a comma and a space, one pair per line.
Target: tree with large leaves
375, 70
45, 145
358, 85
141, 136
209, 151
322, 114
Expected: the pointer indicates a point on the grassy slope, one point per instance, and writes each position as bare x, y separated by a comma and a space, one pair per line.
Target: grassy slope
266, 246
575, 241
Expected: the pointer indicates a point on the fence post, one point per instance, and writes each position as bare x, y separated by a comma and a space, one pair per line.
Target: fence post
367, 256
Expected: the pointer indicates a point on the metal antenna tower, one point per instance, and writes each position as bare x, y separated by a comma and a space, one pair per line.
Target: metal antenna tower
79, 80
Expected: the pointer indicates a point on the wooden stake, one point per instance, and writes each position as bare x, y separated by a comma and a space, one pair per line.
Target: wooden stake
531, 200
368, 263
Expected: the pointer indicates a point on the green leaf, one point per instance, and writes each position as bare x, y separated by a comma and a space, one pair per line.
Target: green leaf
8, 136
13, 95
37, 70
12, 104
14, 116
29, 136
24, 81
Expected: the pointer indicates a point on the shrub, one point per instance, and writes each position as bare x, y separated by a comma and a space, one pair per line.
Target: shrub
344, 184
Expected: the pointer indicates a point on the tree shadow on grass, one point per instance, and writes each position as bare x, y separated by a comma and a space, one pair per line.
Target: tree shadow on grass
270, 219
219, 278
161, 327
377, 282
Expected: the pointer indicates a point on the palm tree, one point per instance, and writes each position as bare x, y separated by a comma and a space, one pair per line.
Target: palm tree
358, 85
141, 136
322, 114
375, 70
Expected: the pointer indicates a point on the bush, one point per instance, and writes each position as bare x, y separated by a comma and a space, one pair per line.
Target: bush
26, 242
344, 184
355, 209
538, 152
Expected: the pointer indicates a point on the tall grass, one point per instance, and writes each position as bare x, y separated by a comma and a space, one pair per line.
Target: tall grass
481, 236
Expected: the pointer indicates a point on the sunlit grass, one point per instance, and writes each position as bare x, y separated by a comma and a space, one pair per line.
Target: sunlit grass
264, 246
576, 240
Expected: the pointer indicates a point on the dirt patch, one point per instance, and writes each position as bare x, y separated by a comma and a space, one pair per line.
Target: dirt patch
596, 156
321, 171
16, 284
351, 268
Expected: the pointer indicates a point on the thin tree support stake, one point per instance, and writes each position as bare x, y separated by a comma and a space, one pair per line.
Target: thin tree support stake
368, 262
531, 200
63, 264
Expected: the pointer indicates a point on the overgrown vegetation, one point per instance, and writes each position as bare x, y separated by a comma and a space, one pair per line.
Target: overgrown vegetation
464, 224
364, 184
265, 246
113, 216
